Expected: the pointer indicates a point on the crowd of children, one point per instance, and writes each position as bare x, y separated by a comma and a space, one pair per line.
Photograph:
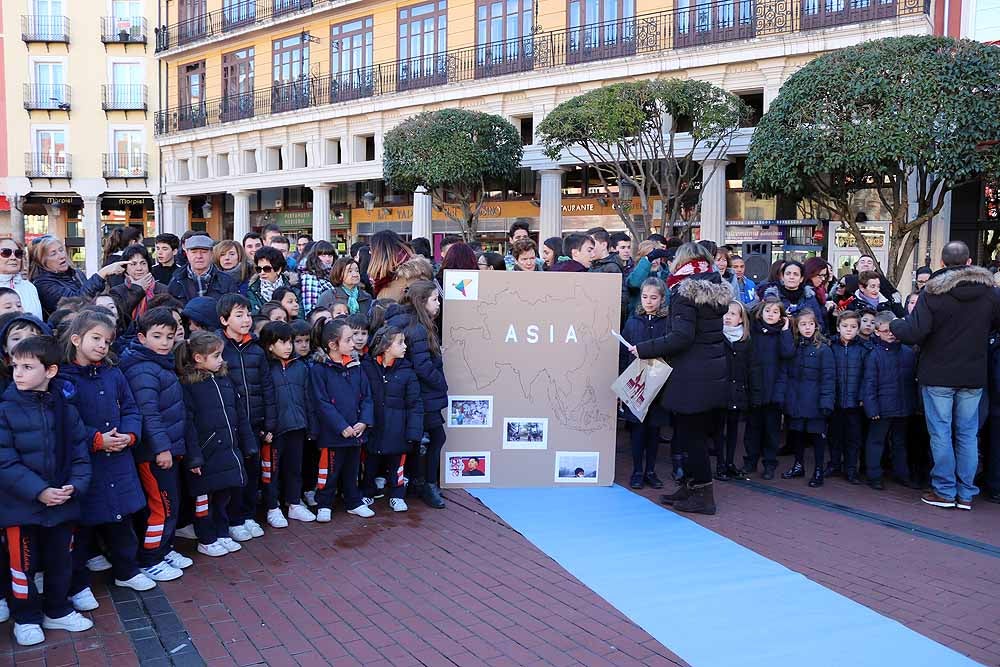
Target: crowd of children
115, 442
844, 397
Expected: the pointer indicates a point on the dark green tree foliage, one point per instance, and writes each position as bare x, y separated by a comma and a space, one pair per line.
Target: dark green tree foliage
645, 138
453, 153
907, 116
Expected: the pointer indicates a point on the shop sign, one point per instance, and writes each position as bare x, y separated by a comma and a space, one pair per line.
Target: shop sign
55, 200
844, 238
753, 233
115, 203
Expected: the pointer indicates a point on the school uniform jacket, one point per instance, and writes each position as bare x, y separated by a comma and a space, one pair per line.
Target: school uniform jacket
293, 389
343, 398
772, 346
43, 443
158, 394
890, 386
105, 402
251, 375
849, 362
399, 411
804, 389
428, 366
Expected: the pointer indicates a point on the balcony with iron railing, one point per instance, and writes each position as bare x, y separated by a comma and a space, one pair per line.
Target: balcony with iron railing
125, 165
705, 23
124, 97
235, 15
47, 97
124, 29
48, 165
44, 28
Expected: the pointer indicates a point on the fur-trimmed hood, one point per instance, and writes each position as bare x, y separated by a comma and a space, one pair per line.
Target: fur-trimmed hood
962, 282
706, 290
194, 375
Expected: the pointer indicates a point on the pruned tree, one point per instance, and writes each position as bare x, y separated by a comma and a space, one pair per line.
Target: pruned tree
452, 153
902, 115
646, 139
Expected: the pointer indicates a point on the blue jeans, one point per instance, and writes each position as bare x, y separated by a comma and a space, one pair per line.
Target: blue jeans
948, 410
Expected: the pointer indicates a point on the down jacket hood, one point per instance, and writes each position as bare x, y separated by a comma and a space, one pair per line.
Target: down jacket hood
965, 283
706, 290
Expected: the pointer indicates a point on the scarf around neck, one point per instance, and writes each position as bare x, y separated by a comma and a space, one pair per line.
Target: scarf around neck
352, 298
793, 295
688, 269
267, 288
732, 334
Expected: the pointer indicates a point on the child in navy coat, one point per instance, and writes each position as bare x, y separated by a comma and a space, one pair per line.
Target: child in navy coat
807, 395
219, 439
44, 471
890, 395
399, 414
849, 355
736, 329
344, 403
772, 345
281, 460
648, 322
112, 418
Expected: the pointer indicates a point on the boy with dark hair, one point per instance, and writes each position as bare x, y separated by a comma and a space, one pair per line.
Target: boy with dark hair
580, 249
519, 230
447, 241
607, 262
148, 365
301, 332
621, 245
10, 301
890, 397
251, 374
849, 355
44, 471
359, 324
166, 246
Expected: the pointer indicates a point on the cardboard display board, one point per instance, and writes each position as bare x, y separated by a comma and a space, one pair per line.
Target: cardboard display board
530, 361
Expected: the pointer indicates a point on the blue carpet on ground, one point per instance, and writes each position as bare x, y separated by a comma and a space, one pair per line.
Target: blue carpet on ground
706, 598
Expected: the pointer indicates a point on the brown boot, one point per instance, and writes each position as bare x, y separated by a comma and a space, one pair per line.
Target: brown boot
700, 501
681, 493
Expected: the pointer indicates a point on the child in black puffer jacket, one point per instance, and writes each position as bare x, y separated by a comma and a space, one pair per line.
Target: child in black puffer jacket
771, 345
736, 328
648, 322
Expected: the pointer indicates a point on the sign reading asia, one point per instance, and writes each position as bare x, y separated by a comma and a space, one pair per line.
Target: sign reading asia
530, 361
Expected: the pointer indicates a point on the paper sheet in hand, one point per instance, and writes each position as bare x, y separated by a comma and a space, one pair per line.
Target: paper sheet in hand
621, 340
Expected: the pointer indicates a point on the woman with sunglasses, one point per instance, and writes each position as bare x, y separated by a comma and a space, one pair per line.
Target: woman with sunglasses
270, 265
55, 277
11, 266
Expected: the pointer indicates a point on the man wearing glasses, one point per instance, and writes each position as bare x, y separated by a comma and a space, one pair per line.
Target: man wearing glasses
200, 277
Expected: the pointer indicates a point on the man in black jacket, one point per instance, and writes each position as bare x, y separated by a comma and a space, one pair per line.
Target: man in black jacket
201, 277
951, 323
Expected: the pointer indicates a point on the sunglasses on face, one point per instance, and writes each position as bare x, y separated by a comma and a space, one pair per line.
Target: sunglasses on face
265, 268
7, 252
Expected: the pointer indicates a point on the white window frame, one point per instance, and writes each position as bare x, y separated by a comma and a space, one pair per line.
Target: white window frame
49, 127
113, 149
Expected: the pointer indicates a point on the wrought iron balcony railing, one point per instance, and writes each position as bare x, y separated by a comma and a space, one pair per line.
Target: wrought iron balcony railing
124, 97
124, 30
47, 97
125, 165
48, 165
44, 28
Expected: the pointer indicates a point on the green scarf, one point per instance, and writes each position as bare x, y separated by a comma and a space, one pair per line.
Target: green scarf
352, 299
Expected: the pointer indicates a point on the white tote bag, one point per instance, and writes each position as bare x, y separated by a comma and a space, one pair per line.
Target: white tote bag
640, 383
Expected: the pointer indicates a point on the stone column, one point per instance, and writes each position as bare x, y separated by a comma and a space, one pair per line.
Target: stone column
241, 214
174, 216
16, 223
713, 200
550, 218
423, 213
941, 233
92, 234
321, 211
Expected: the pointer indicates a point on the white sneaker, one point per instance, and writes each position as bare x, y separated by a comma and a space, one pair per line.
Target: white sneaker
72, 622
323, 516
187, 532
98, 564
362, 511
254, 528
310, 498
4, 611
300, 513
239, 533
215, 549
229, 544
139, 582
275, 519
84, 600
40, 582
162, 571
368, 501
28, 634
180, 561
398, 505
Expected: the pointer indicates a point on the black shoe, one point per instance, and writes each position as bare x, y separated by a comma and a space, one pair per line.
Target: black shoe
701, 500
768, 473
906, 481
681, 493
852, 477
832, 470
993, 497
817, 478
720, 474
432, 496
636, 481
876, 484
749, 468
795, 471
736, 473
654, 481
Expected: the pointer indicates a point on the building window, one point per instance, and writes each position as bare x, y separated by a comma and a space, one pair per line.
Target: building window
127, 82
423, 40
822, 13
351, 59
191, 89
707, 21
50, 85
127, 18
284, 6
50, 153
237, 84
127, 153
290, 73
600, 29
503, 32
238, 12
48, 19
192, 20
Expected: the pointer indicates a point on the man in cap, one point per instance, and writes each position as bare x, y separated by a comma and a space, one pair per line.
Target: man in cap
201, 277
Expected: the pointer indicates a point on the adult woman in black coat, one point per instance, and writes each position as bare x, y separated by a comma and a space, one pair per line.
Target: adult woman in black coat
694, 345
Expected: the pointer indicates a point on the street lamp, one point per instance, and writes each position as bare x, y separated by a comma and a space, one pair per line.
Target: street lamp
368, 199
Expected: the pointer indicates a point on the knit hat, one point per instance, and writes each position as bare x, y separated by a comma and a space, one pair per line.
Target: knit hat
202, 311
